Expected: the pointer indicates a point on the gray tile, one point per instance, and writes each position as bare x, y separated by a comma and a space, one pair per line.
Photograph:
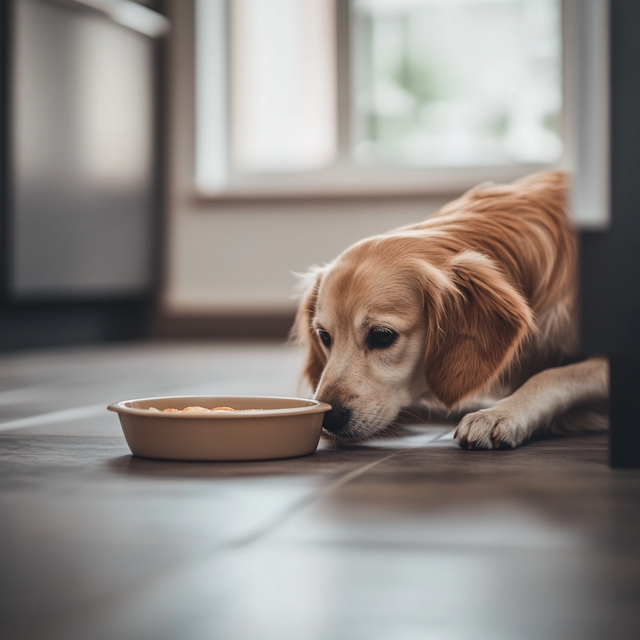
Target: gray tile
399, 538
369, 592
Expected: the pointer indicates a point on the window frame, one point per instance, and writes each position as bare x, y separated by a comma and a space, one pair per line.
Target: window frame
344, 178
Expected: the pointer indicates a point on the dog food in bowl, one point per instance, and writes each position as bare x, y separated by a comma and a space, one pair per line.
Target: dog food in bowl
235, 428
193, 410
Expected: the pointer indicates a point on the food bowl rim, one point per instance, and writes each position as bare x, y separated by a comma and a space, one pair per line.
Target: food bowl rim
315, 406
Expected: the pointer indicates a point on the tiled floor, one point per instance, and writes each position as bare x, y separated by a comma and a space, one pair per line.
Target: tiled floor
398, 539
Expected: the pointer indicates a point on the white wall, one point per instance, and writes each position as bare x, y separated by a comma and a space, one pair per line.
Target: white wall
242, 258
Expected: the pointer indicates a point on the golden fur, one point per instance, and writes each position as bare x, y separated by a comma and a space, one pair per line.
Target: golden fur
482, 296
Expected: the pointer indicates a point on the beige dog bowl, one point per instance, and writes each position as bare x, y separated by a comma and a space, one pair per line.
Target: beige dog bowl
280, 428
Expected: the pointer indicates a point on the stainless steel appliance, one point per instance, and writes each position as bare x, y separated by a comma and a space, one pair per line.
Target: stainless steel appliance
82, 149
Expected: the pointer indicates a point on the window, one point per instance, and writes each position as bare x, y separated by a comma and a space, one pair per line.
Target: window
311, 95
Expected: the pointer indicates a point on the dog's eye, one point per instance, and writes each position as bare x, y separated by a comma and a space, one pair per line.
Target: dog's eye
325, 337
381, 338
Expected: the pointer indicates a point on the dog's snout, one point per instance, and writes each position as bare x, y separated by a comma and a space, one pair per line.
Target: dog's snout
336, 419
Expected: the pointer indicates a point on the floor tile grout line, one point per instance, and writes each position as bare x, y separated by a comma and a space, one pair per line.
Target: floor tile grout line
74, 413
53, 417
308, 500
442, 436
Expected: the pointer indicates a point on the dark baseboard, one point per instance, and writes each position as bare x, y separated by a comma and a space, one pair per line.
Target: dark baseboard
50, 325
36, 326
275, 326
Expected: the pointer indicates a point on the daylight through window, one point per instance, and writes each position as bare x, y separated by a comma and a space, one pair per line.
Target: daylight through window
457, 82
433, 84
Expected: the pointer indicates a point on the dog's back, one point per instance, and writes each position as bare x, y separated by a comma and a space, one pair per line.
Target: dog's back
525, 229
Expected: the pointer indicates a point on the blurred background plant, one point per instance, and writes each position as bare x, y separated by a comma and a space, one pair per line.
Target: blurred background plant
457, 82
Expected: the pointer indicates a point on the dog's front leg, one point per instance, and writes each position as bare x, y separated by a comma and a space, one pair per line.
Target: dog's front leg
534, 405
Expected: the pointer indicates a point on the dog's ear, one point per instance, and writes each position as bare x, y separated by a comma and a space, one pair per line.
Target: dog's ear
302, 332
477, 321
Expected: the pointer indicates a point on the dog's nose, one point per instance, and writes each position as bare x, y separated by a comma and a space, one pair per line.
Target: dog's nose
335, 419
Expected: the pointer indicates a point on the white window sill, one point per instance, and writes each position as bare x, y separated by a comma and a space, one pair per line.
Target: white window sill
388, 183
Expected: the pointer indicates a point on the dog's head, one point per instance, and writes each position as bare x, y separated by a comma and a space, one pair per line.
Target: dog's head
384, 324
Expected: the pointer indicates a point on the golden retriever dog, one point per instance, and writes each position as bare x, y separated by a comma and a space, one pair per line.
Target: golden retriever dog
472, 311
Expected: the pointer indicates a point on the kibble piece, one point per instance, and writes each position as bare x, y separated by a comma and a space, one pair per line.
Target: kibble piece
154, 409
171, 411
223, 409
195, 410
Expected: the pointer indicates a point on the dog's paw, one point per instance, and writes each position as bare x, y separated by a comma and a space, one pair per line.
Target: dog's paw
495, 428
